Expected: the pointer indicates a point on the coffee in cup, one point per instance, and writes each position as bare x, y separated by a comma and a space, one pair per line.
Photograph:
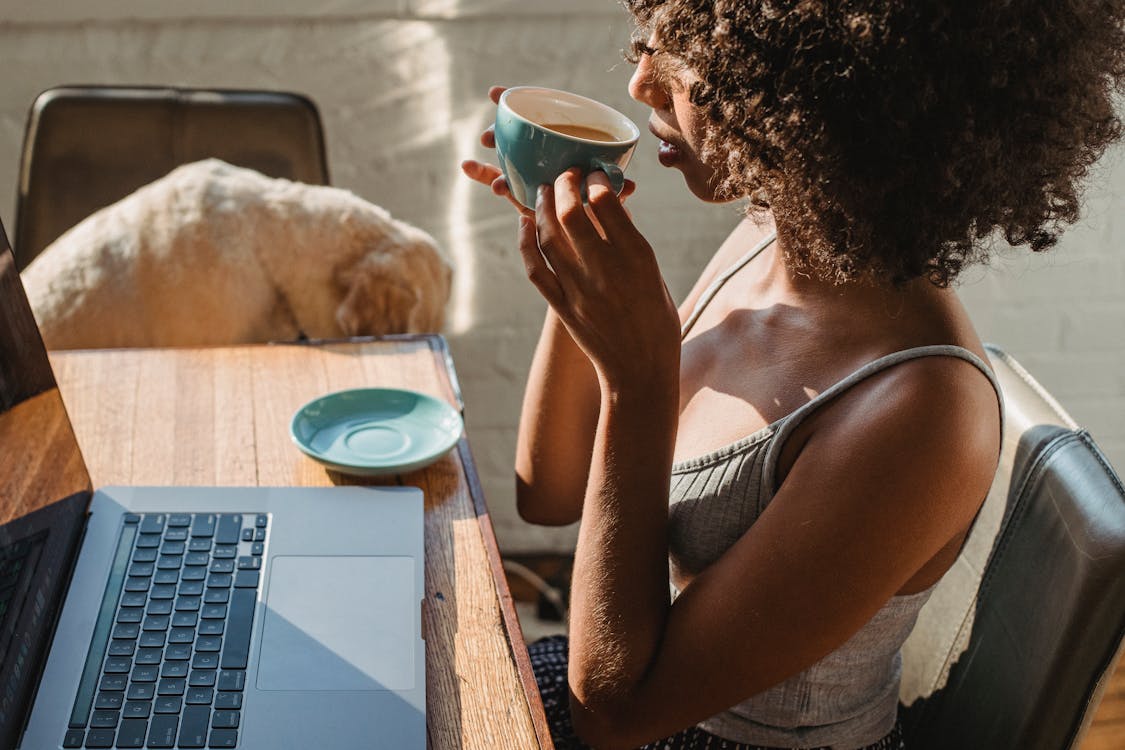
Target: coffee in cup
541, 133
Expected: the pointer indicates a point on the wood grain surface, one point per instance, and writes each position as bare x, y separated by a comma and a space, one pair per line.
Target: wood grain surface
220, 416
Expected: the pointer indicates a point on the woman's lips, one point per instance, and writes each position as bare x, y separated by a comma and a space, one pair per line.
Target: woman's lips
668, 153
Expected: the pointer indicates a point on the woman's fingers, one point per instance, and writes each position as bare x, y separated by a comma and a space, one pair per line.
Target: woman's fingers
610, 213
538, 272
488, 137
494, 93
480, 172
571, 213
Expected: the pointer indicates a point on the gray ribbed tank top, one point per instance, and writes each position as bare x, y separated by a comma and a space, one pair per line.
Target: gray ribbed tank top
849, 698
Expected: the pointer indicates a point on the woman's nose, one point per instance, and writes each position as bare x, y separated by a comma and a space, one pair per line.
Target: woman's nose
643, 85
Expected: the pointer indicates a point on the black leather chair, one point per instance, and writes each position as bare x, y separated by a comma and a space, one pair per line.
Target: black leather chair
1017, 644
89, 146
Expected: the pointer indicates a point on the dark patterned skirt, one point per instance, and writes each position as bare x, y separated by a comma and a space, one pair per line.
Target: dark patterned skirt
548, 661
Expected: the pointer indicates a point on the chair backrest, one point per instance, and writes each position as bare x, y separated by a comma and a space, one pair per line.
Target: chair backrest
89, 146
1016, 644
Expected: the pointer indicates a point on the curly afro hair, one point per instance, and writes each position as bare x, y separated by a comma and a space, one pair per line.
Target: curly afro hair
895, 137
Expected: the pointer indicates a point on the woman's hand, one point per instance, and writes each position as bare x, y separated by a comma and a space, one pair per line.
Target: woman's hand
492, 176
601, 278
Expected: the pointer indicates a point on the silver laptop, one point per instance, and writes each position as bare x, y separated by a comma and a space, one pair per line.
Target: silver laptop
176, 617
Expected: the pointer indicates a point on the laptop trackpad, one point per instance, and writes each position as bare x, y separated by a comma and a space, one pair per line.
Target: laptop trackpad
339, 623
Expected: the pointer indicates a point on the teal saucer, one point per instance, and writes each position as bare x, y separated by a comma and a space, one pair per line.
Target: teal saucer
375, 431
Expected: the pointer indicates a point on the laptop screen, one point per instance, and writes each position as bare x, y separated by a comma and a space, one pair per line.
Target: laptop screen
44, 493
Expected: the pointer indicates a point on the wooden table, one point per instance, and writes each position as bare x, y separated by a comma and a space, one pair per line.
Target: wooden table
220, 416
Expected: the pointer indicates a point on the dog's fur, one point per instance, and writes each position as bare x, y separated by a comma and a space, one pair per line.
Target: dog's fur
216, 254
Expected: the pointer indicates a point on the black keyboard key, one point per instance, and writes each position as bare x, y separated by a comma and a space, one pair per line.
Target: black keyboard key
137, 583
259, 535
141, 691
74, 737
145, 674
248, 562
114, 682
130, 615
199, 544
162, 731
167, 704
159, 607
162, 591
174, 669
170, 562
153, 523
194, 573
136, 710
237, 647
261, 520
214, 612
228, 700
145, 541
122, 648
205, 660
148, 656
225, 552
126, 631
132, 733
156, 622
134, 600
223, 738
107, 700
217, 596
141, 569
100, 738
118, 664
107, 719
191, 588
211, 627
203, 525
208, 643
173, 548
187, 604
184, 619
171, 686
181, 635
152, 639
131, 518
257, 548
178, 652
202, 678
220, 580
200, 695
193, 726
222, 566
166, 576
248, 534
179, 519
232, 679
196, 558
224, 719
228, 527
176, 535
145, 555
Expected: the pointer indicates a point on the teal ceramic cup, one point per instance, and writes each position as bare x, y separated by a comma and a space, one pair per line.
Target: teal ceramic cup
591, 137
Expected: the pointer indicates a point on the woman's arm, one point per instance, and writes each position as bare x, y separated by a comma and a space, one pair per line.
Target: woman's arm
894, 470
556, 429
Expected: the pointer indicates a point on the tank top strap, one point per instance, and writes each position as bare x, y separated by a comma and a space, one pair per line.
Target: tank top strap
713, 288
789, 423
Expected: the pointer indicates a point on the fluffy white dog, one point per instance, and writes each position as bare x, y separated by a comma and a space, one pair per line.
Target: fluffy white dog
216, 254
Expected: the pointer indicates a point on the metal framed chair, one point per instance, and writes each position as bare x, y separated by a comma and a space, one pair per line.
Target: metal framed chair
1017, 644
86, 147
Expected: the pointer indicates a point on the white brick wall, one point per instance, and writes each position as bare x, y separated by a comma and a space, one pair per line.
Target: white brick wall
401, 86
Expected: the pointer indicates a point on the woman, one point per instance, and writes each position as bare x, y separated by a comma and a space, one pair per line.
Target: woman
805, 443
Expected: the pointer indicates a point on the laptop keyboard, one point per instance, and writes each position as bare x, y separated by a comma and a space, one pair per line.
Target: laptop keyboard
167, 663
